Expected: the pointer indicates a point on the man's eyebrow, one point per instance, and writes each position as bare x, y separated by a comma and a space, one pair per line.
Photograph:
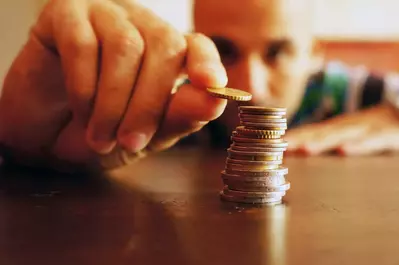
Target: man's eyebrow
280, 43
220, 39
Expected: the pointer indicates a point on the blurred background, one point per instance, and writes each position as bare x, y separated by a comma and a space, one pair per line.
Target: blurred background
348, 29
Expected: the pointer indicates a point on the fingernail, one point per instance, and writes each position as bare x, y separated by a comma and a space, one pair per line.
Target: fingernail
101, 144
341, 151
133, 142
290, 152
305, 151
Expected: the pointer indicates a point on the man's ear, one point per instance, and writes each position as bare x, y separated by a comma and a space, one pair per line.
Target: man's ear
317, 56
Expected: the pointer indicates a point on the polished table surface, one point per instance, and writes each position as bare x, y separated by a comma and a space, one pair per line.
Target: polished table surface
166, 210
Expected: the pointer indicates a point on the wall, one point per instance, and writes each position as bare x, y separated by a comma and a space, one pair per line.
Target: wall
360, 20
349, 28
15, 18
378, 56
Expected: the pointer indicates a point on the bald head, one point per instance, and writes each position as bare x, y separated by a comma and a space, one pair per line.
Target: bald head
262, 17
266, 46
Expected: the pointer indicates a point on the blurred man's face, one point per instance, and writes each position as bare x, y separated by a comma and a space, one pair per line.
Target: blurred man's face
265, 45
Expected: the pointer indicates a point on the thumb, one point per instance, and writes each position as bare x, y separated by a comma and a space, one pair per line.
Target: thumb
192, 106
190, 109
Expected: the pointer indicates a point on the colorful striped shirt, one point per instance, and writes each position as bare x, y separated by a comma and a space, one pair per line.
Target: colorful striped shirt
336, 90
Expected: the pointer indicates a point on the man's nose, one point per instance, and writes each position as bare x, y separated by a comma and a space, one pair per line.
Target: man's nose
251, 75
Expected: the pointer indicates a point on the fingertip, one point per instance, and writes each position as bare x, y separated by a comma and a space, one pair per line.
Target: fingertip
290, 152
349, 150
98, 143
197, 105
208, 75
342, 151
306, 150
204, 65
100, 147
218, 105
133, 141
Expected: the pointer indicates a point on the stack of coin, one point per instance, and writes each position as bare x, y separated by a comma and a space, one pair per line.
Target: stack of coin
254, 172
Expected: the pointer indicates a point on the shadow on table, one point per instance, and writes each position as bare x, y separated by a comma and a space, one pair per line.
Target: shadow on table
166, 211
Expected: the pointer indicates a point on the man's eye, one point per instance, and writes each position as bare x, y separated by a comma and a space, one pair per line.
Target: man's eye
227, 50
275, 49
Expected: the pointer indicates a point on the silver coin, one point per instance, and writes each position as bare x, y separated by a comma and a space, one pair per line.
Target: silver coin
272, 181
241, 182
255, 148
253, 163
253, 194
271, 142
261, 180
255, 186
278, 171
269, 201
245, 115
262, 120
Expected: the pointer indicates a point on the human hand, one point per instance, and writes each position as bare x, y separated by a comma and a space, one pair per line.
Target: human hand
111, 66
366, 132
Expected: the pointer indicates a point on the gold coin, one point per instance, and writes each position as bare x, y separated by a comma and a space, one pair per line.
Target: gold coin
262, 110
255, 158
241, 130
247, 165
265, 137
276, 136
230, 93
264, 126
278, 171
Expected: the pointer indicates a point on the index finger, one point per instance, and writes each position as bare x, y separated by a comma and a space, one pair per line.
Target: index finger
204, 67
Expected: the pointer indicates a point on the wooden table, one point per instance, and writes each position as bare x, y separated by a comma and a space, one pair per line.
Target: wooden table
166, 210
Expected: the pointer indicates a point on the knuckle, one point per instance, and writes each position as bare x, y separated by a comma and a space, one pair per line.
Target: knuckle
104, 125
55, 5
77, 43
172, 41
199, 40
151, 114
127, 42
144, 117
